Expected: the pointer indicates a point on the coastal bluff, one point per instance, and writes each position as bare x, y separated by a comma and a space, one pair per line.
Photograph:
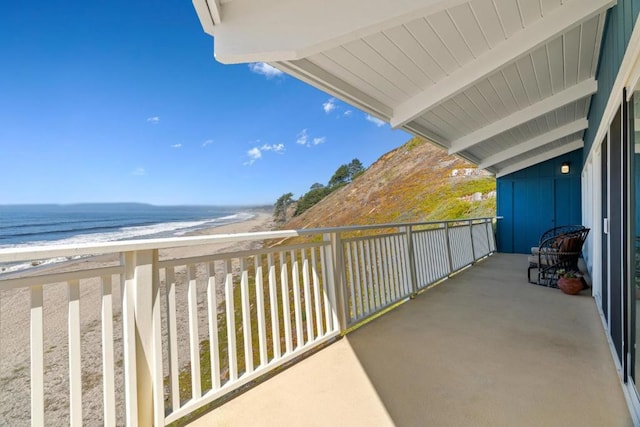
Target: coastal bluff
414, 182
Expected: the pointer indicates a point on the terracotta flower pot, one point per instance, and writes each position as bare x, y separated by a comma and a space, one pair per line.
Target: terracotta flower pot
570, 286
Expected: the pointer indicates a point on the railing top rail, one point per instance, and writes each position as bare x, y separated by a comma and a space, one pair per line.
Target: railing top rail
53, 251
389, 225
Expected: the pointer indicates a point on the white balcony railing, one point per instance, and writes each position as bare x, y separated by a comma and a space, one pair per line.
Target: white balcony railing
176, 334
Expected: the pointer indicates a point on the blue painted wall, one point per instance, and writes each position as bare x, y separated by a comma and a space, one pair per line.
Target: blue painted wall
617, 32
636, 172
537, 198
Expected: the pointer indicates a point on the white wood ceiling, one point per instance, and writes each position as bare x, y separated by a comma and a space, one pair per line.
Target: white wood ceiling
503, 83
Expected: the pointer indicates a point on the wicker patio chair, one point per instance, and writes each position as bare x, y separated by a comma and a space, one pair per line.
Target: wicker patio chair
556, 253
555, 232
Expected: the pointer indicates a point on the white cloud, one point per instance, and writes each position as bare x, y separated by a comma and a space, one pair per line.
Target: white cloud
153, 120
176, 145
333, 106
264, 69
256, 152
302, 137
329, 106
207, 142
139, 172
376, 121
277, 148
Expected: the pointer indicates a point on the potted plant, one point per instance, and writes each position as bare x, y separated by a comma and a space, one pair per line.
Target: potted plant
570, 282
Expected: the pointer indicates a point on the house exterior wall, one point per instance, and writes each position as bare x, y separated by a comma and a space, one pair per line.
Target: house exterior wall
617, 32
536, 199
610, 177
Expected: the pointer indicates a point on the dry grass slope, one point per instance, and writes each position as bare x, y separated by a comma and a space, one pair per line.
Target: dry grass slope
415, 182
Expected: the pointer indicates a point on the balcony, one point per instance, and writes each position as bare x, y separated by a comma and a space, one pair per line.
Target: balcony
162, 338
482, 348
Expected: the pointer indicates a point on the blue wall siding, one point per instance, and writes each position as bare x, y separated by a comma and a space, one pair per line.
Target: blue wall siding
637, 199
535, 199
617, 32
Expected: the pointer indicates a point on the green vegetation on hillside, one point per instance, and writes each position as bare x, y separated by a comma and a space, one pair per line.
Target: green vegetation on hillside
345, 174
280, 207
310, 198
415, 182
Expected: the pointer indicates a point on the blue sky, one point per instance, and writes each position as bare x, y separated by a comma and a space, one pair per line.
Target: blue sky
114, 101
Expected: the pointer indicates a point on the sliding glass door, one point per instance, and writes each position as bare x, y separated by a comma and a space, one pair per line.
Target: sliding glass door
633, 145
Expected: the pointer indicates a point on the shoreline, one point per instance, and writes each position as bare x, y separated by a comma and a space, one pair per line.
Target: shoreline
261, 221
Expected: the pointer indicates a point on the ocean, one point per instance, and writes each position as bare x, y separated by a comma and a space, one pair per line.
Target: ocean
37, 225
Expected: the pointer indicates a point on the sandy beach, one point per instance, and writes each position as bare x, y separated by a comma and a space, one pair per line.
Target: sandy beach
14, 331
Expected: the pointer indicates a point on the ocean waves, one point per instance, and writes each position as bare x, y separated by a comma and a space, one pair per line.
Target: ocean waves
158, 230
31, 231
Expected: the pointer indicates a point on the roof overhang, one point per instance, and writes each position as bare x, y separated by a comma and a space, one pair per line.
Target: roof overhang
503, 84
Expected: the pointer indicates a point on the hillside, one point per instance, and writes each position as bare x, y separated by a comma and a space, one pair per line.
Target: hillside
415, 182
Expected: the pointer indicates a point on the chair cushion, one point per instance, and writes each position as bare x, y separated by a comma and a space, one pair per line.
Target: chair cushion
543, 260
571, 244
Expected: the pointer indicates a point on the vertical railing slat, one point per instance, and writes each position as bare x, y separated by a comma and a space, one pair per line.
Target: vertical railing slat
425, 249
385, 271
308, 310
403, 268
354, 292
232, 349
398, 266
129, 342
407, 252
246, 317
157, 374
473, 246
491, 236
408, 258
37, 356
273, 299
391, 262
365, 285
172, 328
108, 369
418, 257
212, 311
326, 283
395, 264
447, 241
381, 272
378, 278
262, 328
286, 306
355, 276
296, 299
395, 267
316, 293
140, 319
194, 337
386, 265
75, 354
335, 279
370, 276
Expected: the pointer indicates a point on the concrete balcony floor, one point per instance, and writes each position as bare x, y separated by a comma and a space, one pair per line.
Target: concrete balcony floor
484, 348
